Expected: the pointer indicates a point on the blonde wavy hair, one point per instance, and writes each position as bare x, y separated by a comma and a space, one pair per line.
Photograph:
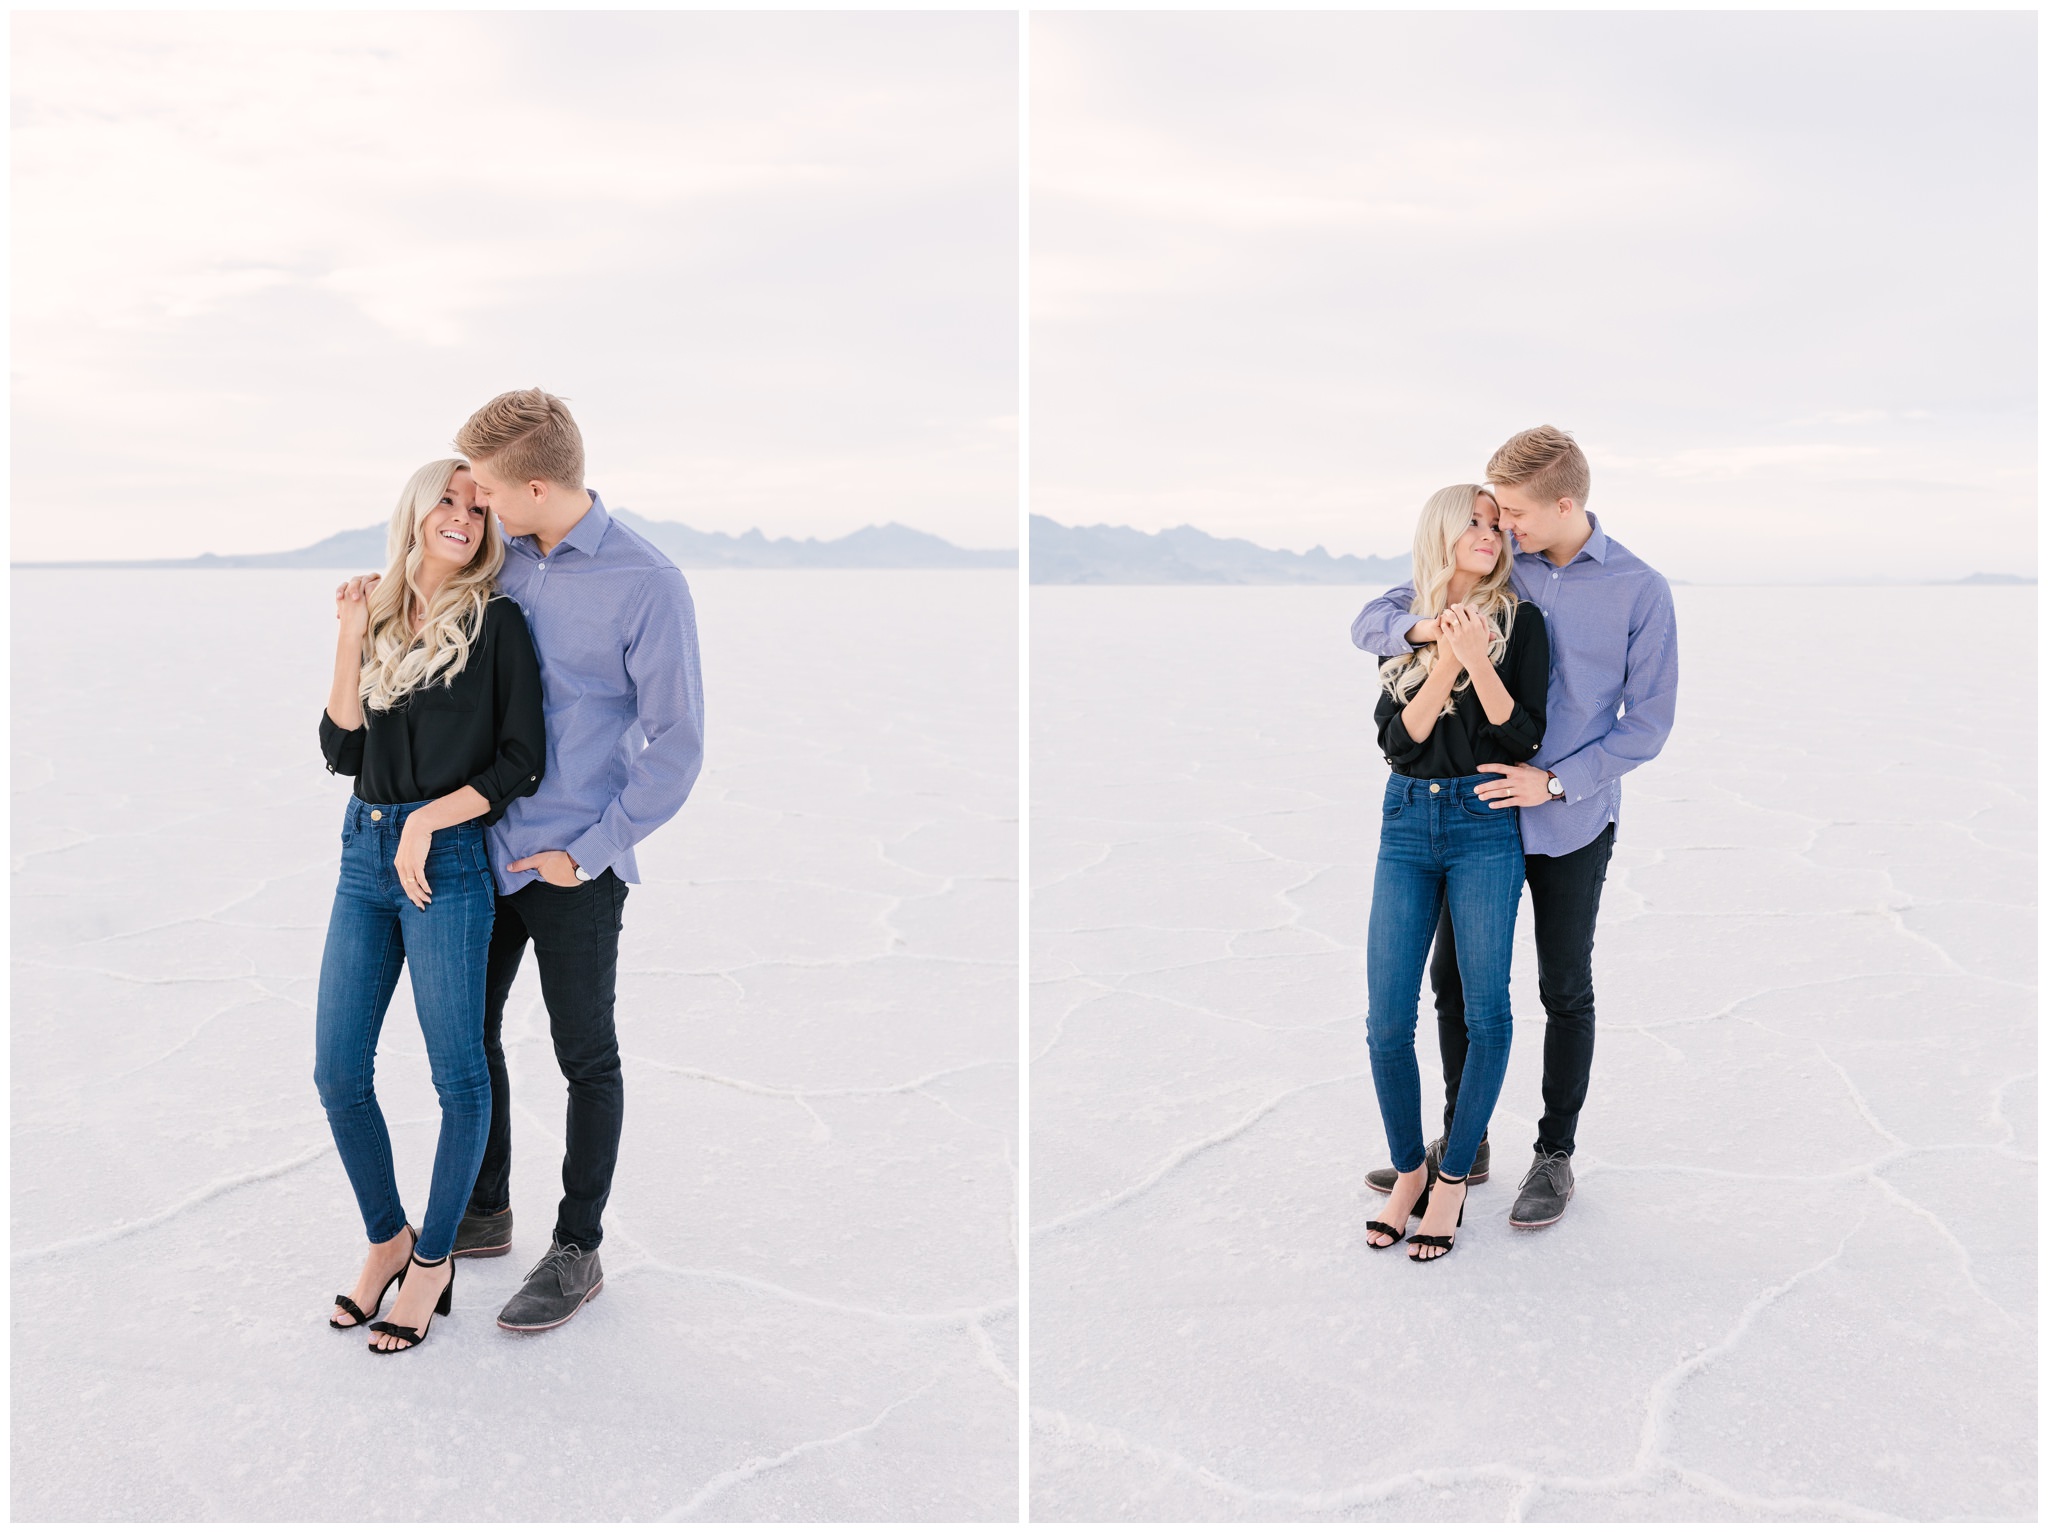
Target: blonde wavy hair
399, 659
1445, 517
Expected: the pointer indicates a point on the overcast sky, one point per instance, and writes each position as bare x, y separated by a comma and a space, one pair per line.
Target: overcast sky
265, 264
1292, 272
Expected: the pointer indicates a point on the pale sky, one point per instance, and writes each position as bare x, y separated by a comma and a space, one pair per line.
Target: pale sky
265, 264
1776, 272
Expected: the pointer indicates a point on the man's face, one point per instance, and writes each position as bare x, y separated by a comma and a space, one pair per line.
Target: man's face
513, 504
1535, 522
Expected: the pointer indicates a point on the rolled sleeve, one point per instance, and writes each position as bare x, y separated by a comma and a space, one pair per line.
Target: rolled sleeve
343, 748
1516, 738
1381, 628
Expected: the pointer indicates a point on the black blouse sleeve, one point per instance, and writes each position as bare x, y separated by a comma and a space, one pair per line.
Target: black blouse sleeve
343, 748
516, 705
1400, 750
1526, 675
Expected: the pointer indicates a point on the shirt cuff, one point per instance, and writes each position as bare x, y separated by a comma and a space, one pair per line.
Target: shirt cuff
592, 852
1578, 781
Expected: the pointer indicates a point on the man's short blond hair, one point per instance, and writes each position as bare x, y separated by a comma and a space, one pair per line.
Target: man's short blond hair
1545, 459
526, 434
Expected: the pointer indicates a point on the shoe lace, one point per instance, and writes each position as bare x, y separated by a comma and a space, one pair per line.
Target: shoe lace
1551, 1168
557, 1261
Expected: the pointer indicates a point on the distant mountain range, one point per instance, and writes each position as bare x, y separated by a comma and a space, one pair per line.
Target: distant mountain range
1071, 556
890, 547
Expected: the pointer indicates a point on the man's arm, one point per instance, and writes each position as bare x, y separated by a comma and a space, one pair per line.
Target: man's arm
661, 659
1649, 698
1382, 628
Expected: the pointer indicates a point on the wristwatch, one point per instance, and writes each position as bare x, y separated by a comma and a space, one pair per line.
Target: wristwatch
583, 873
1552, 785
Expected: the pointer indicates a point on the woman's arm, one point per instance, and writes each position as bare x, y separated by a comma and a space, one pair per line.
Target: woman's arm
1469, 637
345, 696
1427, 705
341, 726
417, 839
522, 753
1517, 737
514, 771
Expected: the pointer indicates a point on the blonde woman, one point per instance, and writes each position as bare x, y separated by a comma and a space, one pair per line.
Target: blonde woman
435, 710
1475, 694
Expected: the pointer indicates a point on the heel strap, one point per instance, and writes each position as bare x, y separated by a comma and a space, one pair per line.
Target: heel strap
414, 1260
1452, 1181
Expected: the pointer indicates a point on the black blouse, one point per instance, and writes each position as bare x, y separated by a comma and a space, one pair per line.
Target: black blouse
483, 729
1464, 738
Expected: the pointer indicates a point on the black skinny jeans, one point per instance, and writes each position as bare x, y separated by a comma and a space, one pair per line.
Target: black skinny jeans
575, 936
1564, 902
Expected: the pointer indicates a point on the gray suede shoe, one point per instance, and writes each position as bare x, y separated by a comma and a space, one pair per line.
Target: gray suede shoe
1544, 1193
483, 1234
1382, 1180
561, 1283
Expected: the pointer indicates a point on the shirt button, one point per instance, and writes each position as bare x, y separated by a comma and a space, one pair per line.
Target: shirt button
1434, 788
376, 814
1553, 574
544, 565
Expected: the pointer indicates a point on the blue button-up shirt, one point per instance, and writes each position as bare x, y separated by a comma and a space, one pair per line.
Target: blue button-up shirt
617, 636
1613, 678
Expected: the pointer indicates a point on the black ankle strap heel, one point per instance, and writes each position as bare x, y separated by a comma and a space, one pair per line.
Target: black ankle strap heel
343, 1302
1440, 1244
406, 1333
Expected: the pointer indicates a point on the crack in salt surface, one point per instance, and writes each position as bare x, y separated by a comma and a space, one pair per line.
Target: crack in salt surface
961, 1317
1180, 1157
754, 1468
801, 1093
206, 1194
1653, 1461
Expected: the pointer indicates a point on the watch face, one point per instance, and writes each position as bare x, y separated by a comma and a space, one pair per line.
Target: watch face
1556, 788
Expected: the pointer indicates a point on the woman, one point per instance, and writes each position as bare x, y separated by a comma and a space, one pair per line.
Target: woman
1475, 694
436, 711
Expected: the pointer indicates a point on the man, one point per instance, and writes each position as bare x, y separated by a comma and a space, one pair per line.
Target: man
1613, 686
617, 637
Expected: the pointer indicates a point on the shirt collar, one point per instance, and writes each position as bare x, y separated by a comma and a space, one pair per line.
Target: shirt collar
1595, 549
584, 537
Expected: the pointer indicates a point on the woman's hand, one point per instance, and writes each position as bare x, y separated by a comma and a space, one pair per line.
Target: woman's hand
411, 862
352, 606
1467, 634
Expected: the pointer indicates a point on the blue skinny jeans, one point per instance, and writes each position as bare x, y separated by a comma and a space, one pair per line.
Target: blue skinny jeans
374, 929
1440, 844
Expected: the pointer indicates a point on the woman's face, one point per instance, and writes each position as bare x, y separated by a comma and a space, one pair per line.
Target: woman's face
1478, 549
452, 533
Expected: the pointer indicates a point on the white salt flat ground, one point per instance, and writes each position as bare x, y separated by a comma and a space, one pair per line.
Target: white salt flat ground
811, 1273
1798, 1280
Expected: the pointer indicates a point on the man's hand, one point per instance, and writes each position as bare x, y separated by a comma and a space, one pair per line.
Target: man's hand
1520, 787
557, 868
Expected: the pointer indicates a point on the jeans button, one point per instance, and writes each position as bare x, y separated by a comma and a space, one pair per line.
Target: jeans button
1434, 788
376, 814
